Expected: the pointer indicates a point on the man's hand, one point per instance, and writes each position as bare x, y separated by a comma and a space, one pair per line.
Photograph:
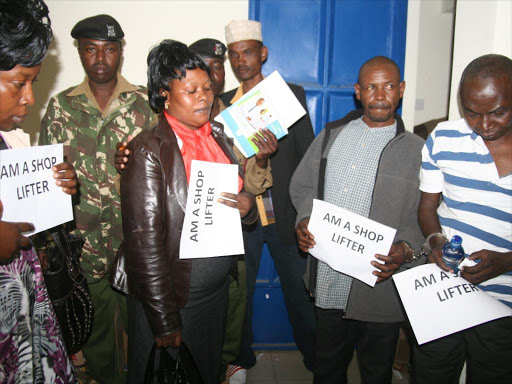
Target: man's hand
66, 177
244, 202
266, 142
122, 154
393, 261
11, 238
305, 238
173, 339
436, 255
491, 264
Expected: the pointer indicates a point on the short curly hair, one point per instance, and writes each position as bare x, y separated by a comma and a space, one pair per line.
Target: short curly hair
25, 33
490, 66
167, 61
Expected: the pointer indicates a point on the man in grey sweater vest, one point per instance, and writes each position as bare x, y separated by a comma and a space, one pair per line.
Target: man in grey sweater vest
368, 164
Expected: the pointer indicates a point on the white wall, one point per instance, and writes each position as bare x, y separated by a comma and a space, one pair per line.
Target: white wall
481, 27
145, 23
427, 61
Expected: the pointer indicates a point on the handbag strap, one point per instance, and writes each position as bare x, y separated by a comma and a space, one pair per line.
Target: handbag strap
150, 366
61, 239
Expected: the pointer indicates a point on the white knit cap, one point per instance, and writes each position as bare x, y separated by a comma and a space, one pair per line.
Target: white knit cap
240, 30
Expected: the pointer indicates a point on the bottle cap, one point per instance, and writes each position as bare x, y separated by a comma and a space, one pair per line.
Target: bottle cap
456, 240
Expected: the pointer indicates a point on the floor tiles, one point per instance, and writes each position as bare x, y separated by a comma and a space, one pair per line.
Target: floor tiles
286, 367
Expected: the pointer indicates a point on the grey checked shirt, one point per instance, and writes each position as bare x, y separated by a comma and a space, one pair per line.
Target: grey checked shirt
350, 174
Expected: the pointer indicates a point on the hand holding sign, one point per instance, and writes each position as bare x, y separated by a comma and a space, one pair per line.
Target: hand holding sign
66, 177
392, 262
491, 264
28, 187
211, 226
11, 238
305, 238
348, 242
242, 201
439, 303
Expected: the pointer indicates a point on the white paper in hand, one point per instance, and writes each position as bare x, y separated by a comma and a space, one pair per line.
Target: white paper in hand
348, 242
210, 228
440, 303
28, 190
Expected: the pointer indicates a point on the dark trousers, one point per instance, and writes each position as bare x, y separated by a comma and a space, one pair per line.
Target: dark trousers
336, 339
487, 349
104, 351
235, 319
203, 333
290, 266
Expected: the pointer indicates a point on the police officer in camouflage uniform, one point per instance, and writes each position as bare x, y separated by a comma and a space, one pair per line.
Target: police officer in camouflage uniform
90, 119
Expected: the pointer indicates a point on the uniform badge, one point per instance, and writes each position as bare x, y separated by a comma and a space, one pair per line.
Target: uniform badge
110, 31
218, 49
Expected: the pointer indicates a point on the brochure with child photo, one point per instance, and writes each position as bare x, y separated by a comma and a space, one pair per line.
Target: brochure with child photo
271, 104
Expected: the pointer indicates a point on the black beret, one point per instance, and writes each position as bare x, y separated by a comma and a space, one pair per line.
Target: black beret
209, 48
100, 27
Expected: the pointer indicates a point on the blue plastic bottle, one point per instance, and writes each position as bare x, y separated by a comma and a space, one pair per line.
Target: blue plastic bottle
453, 253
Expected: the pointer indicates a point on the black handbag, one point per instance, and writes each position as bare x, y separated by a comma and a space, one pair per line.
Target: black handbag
67, 288
182, 370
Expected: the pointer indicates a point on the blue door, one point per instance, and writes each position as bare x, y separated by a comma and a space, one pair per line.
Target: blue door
320, 45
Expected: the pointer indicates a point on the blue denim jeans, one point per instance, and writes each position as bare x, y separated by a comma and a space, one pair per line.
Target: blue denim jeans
290, 266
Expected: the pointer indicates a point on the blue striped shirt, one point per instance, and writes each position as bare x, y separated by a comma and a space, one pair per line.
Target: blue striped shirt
477, 203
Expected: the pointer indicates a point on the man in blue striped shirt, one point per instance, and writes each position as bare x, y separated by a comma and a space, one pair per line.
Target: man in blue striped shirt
469, 163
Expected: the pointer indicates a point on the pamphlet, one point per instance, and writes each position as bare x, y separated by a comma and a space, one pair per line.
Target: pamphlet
271, 104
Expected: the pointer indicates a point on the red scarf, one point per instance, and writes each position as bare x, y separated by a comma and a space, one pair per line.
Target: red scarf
199, 145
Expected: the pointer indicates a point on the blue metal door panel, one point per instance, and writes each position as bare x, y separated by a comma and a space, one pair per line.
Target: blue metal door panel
273, 330
298, 42
319, 44
315, 101
360, 31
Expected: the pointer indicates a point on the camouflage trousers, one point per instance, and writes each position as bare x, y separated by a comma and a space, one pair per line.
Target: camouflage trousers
105, 351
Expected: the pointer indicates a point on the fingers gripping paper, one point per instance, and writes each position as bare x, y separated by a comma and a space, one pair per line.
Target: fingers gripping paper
210, 228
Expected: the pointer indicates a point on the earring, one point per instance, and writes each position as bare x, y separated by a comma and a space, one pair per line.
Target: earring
166, 105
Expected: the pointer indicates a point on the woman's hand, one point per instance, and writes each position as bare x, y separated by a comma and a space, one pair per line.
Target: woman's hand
122, 154
173, 339
244, 202
11, 238
66, 177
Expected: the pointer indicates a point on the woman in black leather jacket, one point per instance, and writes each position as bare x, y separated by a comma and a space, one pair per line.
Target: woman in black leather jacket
171, 300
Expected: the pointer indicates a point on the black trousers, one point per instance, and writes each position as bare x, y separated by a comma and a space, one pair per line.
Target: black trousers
336, 339
487, 349
290, 266
203, 333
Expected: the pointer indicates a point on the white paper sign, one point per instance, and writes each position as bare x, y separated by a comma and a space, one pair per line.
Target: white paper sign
440, 303
348, 242
210, 228
28, 190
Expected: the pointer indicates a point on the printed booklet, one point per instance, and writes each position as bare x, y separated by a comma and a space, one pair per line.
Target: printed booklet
271, 104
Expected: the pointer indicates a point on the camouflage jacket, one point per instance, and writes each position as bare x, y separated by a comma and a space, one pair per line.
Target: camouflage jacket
90, 137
